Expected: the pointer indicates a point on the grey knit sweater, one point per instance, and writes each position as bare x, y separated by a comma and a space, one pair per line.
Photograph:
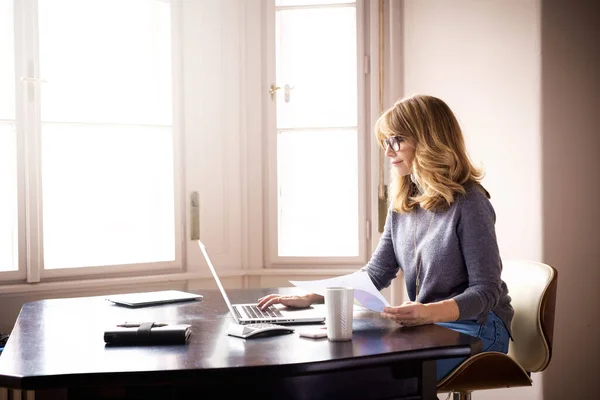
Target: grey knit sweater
459, 252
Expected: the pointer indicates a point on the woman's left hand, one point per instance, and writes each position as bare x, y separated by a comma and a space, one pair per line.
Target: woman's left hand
410, 313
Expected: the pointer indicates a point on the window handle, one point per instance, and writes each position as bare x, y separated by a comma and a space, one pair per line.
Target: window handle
194, 216
287, 89
272, 90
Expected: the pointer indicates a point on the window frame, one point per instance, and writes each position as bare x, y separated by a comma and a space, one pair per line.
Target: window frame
27, 96
272, 259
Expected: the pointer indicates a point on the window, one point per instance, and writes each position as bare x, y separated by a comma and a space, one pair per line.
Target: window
8, 144
316, 144
88, 138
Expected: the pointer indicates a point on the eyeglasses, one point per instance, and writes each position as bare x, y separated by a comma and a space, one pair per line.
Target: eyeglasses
393, 142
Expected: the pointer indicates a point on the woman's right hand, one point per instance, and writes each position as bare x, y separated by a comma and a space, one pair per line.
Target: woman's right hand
289, 301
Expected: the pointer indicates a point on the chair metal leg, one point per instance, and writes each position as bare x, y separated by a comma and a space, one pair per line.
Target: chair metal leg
461, 395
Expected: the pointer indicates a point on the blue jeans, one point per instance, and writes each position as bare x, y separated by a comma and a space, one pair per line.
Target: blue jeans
493, 334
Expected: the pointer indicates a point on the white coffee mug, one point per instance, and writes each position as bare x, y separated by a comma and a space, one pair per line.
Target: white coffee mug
339, 302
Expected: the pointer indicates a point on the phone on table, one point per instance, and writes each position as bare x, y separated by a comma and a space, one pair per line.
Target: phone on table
314, 333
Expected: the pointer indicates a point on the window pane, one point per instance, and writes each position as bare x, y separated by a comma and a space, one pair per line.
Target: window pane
319, 64
318, 193
7, 65
8, 146
105, 61
108, 195
8, 198
107, 140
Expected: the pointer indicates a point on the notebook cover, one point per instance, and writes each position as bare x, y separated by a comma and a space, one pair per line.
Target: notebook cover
170, 334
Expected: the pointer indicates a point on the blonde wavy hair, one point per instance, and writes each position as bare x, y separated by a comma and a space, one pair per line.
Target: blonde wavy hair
441, 167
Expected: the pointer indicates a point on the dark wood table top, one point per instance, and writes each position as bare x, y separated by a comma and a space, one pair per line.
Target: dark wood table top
59, 342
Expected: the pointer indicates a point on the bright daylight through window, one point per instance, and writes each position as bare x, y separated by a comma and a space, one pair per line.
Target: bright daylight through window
86, 133
8, 143
317, 139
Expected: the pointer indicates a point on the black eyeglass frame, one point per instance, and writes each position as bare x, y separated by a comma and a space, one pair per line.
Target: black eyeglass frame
393, 142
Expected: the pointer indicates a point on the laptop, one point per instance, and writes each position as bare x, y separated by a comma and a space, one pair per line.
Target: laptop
144, 299
276, 314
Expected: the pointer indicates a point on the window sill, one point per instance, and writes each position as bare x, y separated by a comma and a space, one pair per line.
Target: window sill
87, 284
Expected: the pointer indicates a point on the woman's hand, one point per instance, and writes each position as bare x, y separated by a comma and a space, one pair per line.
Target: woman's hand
410, 313
289, 301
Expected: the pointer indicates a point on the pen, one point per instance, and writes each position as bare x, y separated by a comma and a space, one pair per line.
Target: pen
137, 324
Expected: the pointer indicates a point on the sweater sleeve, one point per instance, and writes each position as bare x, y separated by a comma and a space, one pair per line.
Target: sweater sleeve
383, 265
477, 236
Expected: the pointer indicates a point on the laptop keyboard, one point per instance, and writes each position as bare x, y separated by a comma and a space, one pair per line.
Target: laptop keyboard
255, 312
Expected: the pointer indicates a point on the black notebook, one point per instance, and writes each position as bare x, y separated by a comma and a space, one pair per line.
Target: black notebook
147, 334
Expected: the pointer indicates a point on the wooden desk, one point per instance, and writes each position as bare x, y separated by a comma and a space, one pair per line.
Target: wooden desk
57, 350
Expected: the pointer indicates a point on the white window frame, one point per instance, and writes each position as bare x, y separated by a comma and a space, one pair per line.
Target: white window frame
30, 232
272, 259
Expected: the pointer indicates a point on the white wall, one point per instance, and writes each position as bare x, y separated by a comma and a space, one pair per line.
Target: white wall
522, 75
483, 59
570, 107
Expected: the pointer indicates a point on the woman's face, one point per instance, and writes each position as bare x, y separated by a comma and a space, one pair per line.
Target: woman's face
402, 158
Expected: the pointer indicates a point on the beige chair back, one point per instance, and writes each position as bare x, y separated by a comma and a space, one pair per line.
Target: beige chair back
532, 288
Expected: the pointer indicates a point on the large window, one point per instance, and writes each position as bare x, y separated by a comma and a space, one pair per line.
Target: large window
8, 143
317, 213
87, 138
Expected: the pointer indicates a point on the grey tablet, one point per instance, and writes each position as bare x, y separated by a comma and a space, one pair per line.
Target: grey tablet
152, 298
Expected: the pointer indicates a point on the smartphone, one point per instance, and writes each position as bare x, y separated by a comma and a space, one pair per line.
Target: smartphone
314, 333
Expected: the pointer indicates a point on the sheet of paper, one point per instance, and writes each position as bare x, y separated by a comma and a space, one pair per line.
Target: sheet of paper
365, 293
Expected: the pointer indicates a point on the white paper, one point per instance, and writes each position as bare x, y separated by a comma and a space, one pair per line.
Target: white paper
365, 293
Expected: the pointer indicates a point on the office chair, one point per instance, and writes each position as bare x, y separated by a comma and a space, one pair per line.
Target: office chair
532, 288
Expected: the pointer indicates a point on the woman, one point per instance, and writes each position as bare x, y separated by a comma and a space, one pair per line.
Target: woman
439, 231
